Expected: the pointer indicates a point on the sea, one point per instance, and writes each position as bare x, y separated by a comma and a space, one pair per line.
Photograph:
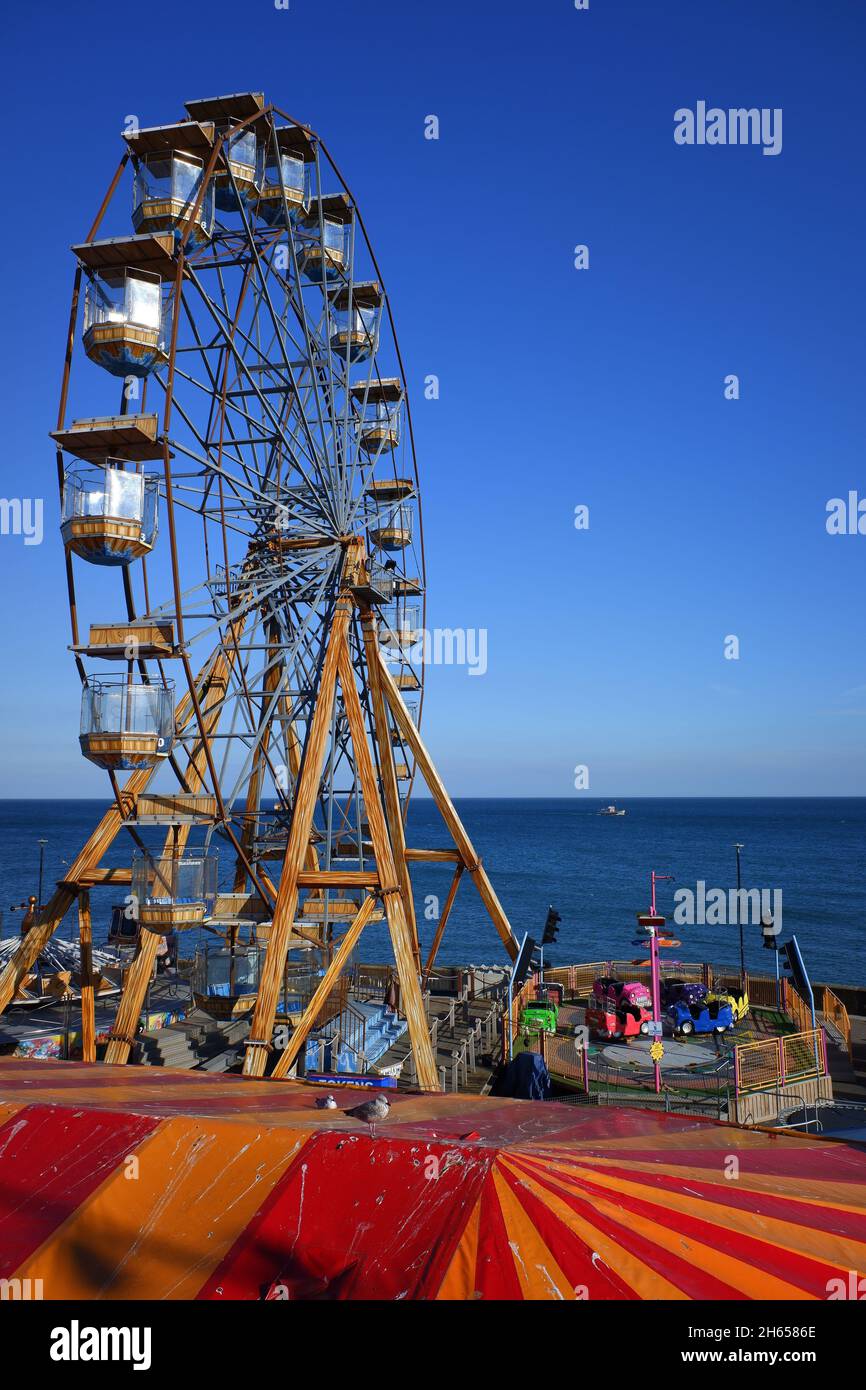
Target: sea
594, 869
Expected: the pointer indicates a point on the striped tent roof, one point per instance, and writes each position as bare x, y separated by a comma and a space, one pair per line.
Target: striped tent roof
125, 1183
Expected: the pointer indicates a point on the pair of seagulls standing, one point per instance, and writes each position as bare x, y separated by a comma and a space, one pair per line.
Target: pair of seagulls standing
371, 1112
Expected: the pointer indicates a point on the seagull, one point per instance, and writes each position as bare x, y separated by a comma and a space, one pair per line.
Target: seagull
372, 1112
326, 1103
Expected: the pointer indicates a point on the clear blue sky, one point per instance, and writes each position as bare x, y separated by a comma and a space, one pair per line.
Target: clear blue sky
558, 387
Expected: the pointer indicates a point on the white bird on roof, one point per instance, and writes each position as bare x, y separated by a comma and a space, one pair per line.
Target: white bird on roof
326, 1103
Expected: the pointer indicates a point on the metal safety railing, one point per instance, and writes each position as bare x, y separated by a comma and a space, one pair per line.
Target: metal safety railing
352, 1026
796, 1007
777, 1062
834, 1012
764, 991
592, 1077
373, 981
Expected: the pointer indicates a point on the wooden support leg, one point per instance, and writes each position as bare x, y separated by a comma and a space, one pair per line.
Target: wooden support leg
448, 811
329, 979
88, 1011
401, 936
129, 1010
62, 899
396, 829
273, 676
259, 1041
440, 929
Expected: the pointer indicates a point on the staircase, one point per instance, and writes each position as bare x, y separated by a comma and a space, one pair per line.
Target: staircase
464, 1035
198, 1043
363, 1033
382, 1029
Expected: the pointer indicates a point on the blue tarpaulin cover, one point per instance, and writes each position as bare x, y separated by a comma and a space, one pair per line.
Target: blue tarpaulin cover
525, 1078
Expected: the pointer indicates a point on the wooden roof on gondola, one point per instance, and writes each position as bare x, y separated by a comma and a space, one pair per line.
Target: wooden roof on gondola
130, 437
238, 106
366, 294
335, 205
390, 388
153, 253
297, 140
187, 137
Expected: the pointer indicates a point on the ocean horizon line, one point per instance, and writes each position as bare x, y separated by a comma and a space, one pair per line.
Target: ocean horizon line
474, 796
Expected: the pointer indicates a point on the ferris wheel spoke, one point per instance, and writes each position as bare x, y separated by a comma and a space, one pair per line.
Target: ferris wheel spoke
279, 387
280, 431
287, 366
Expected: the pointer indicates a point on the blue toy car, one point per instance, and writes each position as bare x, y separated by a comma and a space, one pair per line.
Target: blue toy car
700, 1016
682, 992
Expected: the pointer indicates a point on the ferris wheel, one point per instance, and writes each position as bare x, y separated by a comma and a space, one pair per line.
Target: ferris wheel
243, 526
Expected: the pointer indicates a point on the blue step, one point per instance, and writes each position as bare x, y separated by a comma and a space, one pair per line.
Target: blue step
381, 1032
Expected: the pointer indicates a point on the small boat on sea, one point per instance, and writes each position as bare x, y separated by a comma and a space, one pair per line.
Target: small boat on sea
611, 811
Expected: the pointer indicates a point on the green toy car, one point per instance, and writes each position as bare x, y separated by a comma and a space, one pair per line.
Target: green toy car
539, 1017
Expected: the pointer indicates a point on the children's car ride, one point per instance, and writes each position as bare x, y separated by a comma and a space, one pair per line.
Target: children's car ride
690, 992
682, 992
706, 1015
739, 1003
618, 1008
540, 1016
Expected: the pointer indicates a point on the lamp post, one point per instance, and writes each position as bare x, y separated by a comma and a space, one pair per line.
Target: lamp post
42, 844
653, 926
771, 941
738, 847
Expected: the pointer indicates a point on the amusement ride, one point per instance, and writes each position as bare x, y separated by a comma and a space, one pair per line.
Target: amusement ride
242, 525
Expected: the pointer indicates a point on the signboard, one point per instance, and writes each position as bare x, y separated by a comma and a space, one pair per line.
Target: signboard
654, 1029
344, 1079
649, 919
523, 964
797, 967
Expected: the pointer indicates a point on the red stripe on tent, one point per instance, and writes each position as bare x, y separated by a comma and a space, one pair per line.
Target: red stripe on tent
573, 1255
355, 1218
53, 1159
495, 1275
801, 1271
804, 1160
792, 1207
694, 1282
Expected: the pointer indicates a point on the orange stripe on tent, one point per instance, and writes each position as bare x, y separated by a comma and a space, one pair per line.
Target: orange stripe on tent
536, 1265
6, 1113
159, 1232
607, 1252
586, 1274
53, 1159
615, 1253
749, 1280
782, 1198
459, 1281
784, 1236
